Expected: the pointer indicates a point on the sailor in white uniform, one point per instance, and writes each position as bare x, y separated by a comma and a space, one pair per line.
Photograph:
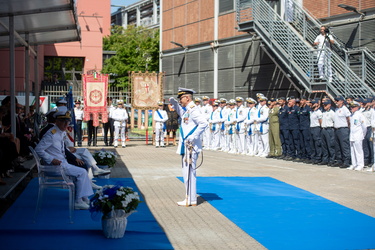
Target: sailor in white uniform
52, 150
251, 146
120, 117
358, 131
193, 124
206, 110
214, 127
160, 117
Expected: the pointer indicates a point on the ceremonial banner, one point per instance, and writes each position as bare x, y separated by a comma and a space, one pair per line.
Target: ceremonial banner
147, 90
95, 90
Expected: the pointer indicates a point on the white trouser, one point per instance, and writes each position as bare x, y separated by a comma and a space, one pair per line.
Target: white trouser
324, 65
159, 134
356, 151
215, 139
206, 137
84, 155
222, 139
118, 127
251, 144
263, 144
82, 183
240, 141
190, 178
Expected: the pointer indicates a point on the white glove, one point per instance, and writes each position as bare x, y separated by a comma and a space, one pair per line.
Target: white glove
190, 138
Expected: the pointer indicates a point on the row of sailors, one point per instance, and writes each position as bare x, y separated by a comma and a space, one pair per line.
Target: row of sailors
309, 131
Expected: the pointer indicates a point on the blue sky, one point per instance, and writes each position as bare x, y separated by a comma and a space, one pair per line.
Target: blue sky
121, 2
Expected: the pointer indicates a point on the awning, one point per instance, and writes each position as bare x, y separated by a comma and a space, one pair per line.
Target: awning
45, 21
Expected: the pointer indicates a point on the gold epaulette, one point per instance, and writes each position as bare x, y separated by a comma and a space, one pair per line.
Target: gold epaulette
53, 131
192, 106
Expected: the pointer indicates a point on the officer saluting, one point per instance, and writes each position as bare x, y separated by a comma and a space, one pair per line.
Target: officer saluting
193, 124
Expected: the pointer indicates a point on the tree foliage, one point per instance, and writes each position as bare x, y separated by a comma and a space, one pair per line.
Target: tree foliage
137, 49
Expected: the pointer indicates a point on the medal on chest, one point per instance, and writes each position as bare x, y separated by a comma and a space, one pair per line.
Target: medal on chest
186, 117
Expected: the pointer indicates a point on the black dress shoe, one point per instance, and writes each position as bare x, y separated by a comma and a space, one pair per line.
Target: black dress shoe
89, 144
297, 160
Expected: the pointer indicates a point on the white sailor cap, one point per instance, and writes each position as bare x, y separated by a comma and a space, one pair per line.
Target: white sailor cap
62, 112
184, 91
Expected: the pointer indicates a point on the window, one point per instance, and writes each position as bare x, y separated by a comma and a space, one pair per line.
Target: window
226, 5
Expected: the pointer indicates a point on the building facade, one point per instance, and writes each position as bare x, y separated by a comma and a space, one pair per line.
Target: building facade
202, 47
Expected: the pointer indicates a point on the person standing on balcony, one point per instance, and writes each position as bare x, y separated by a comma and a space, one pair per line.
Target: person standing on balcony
323, 42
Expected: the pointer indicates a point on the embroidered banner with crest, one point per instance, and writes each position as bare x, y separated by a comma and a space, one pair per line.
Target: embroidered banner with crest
95, 91
147, 90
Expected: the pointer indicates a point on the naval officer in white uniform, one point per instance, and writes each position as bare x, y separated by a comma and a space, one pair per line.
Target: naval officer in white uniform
52, 150
193, 124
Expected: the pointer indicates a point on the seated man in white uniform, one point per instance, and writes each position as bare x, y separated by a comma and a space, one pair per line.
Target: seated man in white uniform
52, 150
84, 155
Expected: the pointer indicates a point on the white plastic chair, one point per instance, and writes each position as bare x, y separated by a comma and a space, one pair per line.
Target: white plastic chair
53, 176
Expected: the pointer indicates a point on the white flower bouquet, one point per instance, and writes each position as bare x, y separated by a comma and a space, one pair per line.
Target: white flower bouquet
103, 157
113, 198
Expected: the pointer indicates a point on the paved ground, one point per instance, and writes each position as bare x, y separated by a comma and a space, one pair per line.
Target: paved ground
203, 227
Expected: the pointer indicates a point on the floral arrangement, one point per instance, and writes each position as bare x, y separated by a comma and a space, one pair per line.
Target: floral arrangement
103, 157
112, 198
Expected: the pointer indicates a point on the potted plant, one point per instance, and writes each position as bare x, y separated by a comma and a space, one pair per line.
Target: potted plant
115, 203
105, 158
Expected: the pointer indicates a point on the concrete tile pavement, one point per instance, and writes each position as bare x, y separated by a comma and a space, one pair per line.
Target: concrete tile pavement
203, 227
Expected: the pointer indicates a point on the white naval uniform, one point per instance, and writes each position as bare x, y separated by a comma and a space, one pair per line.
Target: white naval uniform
193, 124
206, 111
160, 117
239, 136
262, 125
358, 131
84, 155
52, 147
251, 146
78, 113
214, 129
120, 116
223, 115
230, 131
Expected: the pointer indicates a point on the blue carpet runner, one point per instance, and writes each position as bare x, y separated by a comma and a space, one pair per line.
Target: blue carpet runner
52, 230
281, 216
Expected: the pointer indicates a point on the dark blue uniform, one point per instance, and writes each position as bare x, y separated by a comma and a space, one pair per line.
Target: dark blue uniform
294, 142
284, 129
304, 128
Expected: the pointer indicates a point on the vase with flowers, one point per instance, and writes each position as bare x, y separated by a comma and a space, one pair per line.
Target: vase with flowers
115, 203
105, 158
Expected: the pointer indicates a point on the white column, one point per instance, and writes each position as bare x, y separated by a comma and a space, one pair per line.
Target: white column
138, 16
161, 37
124, 19
216, 58
155, 12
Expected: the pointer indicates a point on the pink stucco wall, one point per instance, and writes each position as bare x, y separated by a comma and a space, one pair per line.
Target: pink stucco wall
95, 21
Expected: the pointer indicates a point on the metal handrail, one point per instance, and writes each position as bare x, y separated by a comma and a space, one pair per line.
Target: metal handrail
292, 41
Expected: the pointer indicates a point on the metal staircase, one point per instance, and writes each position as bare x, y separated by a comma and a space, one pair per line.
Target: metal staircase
292, 43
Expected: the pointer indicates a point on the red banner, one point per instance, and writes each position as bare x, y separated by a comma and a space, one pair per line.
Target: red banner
95, 91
